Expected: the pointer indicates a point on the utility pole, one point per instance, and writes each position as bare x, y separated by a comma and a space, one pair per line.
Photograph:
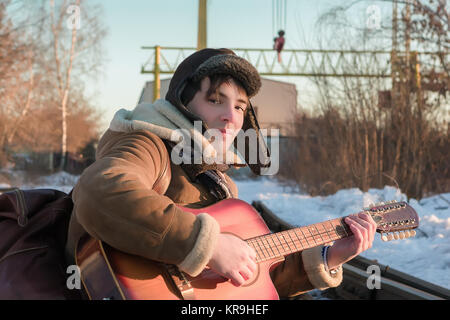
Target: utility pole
156, 74
202, 24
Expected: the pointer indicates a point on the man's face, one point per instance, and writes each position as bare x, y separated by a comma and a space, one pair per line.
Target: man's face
223, 111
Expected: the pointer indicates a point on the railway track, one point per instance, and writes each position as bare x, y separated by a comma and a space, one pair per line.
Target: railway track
394, 284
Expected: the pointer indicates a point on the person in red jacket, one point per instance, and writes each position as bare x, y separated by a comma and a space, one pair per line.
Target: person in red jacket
279, 44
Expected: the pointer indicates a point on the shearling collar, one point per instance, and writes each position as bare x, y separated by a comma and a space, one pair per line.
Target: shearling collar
164, 119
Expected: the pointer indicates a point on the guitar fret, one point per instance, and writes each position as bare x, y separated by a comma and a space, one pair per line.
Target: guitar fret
315, 226
312, 236
343, 226
328, 233
264, 247
279, 240
289, 234
330, 237
300, 241
275, 245
261, 252
282, 233
269, 246
251, 243
334, 229
304, 236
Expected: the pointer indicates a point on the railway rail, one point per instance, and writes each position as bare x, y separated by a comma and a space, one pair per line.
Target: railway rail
394, 284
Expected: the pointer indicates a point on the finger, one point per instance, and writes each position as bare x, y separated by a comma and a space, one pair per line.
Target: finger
363, 219
246, 273
237, 279
252, 265
369, 219
357, 230
252, 253
364, 227
363, 223
354, 225
373, 227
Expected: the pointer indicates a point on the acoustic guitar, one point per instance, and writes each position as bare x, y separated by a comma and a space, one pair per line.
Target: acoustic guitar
107, 273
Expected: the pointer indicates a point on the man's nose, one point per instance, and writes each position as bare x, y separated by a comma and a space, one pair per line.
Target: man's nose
228, 113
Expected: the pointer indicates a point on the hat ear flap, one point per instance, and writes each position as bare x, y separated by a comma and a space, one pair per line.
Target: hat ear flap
254, 149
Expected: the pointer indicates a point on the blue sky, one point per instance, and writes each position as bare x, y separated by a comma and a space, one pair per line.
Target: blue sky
231, 23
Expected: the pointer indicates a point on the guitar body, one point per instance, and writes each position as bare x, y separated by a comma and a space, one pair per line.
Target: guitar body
107, 272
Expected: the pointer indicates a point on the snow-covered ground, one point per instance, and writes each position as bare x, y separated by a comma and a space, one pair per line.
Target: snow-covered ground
425, 256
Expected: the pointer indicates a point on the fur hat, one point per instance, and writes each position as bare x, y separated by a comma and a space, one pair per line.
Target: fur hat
207, 62
239, 68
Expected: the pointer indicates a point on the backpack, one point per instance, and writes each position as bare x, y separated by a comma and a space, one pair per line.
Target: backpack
33, 232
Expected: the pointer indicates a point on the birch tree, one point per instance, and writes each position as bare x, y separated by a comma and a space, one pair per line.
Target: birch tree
76, 32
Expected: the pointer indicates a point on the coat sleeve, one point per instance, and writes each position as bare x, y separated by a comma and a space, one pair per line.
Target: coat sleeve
114, 202
303, 271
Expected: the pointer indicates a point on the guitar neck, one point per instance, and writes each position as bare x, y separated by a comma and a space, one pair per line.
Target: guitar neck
282, 243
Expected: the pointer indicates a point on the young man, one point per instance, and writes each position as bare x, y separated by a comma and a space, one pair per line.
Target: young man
114, 198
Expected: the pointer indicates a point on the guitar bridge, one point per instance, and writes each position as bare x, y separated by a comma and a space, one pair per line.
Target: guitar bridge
181, 282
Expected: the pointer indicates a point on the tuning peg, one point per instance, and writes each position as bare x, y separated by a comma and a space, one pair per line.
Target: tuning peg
401, 234
413, 233
396, 236
384, 237
407, 233
390, 237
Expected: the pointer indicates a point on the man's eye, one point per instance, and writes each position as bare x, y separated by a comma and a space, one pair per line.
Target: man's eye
214, 101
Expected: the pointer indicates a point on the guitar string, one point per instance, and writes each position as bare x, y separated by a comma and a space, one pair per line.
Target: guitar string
293, 241
275, 245
320, 233
270, 247
315, 226
334, 230
259, 248
300, 240
289, 234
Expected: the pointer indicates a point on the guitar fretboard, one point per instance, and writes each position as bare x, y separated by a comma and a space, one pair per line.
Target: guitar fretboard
274, 245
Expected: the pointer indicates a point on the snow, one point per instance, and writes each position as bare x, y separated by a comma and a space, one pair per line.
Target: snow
425, 256
62, 181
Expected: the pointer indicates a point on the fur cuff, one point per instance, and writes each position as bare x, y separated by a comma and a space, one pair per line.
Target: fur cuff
315, 269
201, 253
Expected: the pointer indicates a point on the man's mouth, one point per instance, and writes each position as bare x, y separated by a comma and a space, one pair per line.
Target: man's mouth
227, 131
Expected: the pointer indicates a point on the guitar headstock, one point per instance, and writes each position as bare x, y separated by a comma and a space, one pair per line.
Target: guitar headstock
395, 220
